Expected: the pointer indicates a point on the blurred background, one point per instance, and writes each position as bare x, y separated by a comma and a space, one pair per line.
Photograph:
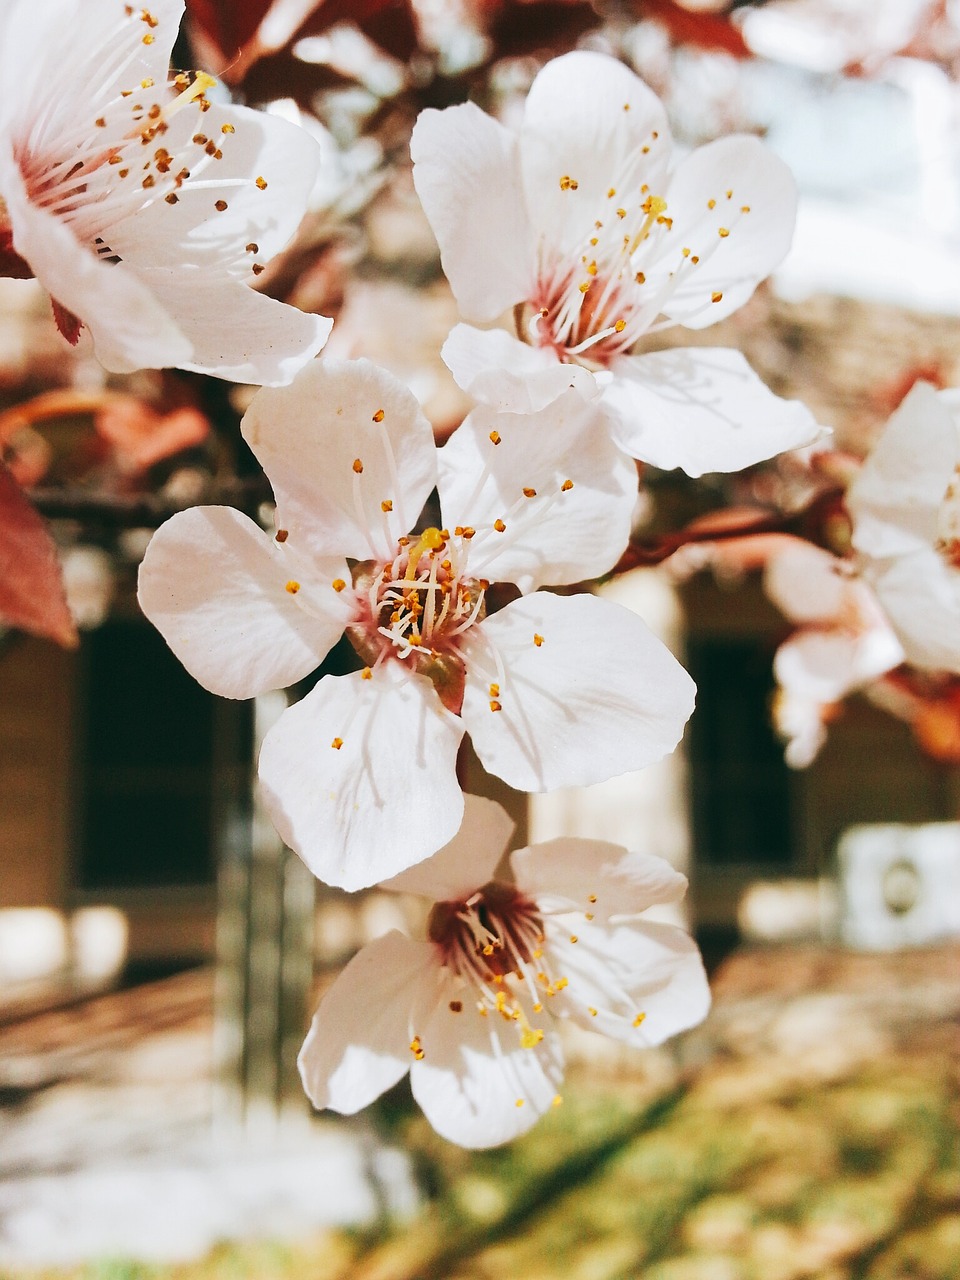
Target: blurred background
160, 951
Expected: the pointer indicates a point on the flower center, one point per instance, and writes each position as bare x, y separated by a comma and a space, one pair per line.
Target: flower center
948, 524
416, 607
491, 939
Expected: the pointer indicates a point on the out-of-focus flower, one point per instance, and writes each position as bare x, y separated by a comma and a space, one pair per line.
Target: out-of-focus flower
829, 35
89, 581
842, 644
905, 504
470, 1011
359, 776
141, 437
143, 206
577, 222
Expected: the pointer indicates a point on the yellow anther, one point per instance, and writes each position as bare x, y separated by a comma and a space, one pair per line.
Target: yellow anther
537, 639
620, 326
366, 674
574, 938
519, 1102
494, 691
592, 269
530, 1038
495, 705
495, 437
281, 535
744, 208
379, 416
386, 505
626, 106
147, 83
538, 1007
588, 915
592, 897
695, 259
100, 122
338, 584
557, 1100
220, 206
261, 184
621, 213
529, 493
568, 184
337, 743
592, 1012
645, 149
711, 204
611, 193
716, 297
686, 253
358, 466
499, 526
640, 278
640, 1018
723, 232
416, 1048
561, 983
488, 951
594, 240
147, 39
293, 587
566, 486
585, 286
729, 193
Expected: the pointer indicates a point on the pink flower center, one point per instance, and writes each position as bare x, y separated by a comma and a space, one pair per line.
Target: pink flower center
416, 607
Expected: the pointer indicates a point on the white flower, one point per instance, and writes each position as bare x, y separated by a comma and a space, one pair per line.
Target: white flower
554, 690
470, 1011
905, 505
577, 223
144, 207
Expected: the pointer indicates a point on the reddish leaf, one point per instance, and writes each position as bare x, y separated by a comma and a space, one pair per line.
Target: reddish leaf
31, 584
68, 324
705, 30
11, 264
229, 24
521, 27
142, 437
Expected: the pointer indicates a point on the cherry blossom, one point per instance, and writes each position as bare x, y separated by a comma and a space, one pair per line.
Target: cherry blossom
578, 223
471, 1010
143, 205
843, 642
360, 775
905, 504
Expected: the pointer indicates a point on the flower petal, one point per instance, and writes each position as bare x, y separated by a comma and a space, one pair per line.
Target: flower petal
921, 595
358, 1044
895, 499
599, 695
507, 374
588, 118
824, 665
215, 586
758, 216
235, 332
129, 326
383, 799
702, 409
562, 490
639, 982
465, 173
264, 175
467, 862
476, 1084
310, 438
806, 583
572, 874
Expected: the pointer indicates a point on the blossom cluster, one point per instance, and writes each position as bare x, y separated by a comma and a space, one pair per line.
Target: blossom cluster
148, 207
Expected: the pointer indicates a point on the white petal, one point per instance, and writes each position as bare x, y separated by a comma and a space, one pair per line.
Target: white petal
758, 239
386, 798
824, 665
618, 972
507, 374
572, 874
551, 534
598, 697
358, 1044
474, 1072
467, 862
129, 326
806, 583
465, 173
215, 586
235, 332
896, 496
921, 595
308, 438
702, 409
575, 125
193, 231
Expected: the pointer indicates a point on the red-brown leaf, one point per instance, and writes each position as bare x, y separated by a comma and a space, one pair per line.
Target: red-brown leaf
11, 264
68, 324
31, 584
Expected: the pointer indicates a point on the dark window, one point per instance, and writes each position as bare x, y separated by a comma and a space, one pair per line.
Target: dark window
740, 785
154, 748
